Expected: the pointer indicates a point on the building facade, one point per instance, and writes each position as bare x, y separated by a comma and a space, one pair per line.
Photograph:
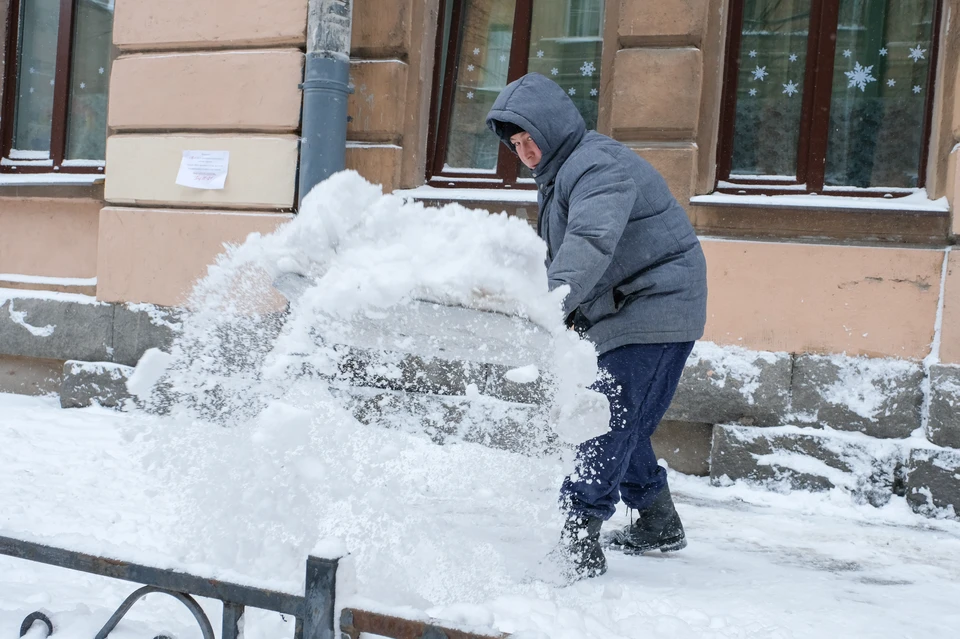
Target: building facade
813, 143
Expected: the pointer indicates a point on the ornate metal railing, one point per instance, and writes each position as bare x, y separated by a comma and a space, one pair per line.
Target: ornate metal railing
314, 610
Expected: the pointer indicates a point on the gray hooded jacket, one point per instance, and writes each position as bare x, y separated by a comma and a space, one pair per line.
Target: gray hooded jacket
614, 233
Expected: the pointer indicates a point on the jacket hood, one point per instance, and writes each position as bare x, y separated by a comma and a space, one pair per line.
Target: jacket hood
540, 107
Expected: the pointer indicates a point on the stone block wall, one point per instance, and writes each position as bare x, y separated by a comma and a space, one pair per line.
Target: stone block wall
873, 427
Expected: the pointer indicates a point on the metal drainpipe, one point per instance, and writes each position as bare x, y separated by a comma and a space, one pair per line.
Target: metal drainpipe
326, 85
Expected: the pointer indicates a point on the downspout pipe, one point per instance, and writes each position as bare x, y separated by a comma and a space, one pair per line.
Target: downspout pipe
326, 86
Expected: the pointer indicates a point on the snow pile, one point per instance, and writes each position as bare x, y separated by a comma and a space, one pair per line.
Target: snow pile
264, 451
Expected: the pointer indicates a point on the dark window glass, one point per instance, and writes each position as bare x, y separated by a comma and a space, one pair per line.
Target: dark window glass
480, 35
828, 95
58, 83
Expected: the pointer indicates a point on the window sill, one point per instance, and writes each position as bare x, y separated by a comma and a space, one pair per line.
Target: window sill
52, 185
916, 203
821, 218
51, 179
518, 196
521, 203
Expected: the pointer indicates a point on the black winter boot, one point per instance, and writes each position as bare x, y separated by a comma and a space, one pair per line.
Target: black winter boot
657, 527
578, 555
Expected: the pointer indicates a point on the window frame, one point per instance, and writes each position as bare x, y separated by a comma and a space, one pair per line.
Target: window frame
61, 97
815, 110
507, 173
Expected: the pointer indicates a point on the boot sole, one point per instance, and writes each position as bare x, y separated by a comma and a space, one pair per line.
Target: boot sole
667, 545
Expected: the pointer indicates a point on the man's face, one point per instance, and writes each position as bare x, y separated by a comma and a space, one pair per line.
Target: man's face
527, 149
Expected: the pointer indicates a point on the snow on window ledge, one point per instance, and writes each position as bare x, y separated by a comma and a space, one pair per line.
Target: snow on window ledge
45, 280
528, 196
50, 179
917, 201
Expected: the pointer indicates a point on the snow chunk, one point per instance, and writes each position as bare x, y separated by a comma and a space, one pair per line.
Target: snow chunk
151, 367
523, 375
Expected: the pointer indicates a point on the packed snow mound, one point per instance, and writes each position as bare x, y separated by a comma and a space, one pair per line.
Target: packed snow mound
271, 461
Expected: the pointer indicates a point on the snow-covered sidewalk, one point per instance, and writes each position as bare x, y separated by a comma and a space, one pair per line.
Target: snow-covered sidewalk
759, 564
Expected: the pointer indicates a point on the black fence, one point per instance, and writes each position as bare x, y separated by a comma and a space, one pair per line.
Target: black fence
314, 610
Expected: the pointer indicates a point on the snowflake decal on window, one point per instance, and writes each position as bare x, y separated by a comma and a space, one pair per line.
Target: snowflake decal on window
916, 53
917, 88
860, 77
469, 95
503, 58
587, 68
539, 54
793, 57
593, 92
100, 70
753, 92
476, 51
790, 88
32, 70
883, 52
83, 85
31, 89
760, 73
554, 71
470, 67
847, 53
891, 82
572, 91
51, 82
753, 53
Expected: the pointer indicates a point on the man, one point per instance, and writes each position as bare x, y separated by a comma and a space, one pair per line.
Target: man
637, 277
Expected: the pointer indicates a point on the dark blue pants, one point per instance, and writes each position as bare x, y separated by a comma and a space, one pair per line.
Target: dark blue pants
639, 380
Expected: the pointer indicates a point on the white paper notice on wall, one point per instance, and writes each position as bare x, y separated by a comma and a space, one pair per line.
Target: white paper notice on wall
203, 169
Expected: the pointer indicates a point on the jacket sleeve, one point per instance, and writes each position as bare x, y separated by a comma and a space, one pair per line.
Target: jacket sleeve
601, 202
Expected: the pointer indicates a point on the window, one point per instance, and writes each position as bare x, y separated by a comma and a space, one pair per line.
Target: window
828, 96
482, 45
55, 90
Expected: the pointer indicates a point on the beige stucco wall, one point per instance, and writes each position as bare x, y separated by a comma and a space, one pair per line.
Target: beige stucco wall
656, 93
156, 255
392, 56
49, 237
953, 187
377, 163
950, 325
378, 104
823, 298
255, 90
160, 24
676, 162
142, 169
